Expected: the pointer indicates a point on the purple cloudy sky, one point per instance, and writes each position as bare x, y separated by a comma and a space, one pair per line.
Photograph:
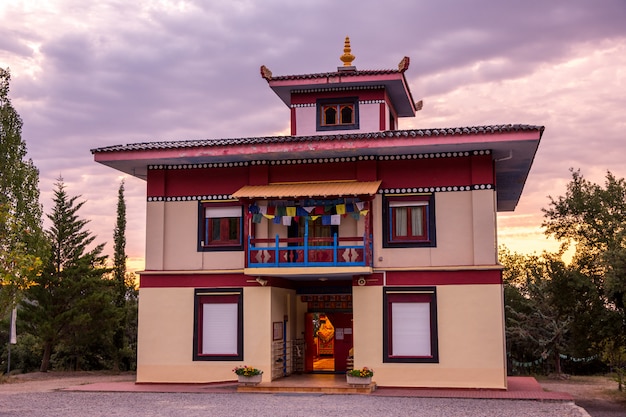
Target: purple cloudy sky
88, 74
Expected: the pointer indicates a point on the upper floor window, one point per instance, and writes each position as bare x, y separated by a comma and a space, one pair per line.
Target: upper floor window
409, 221
337, 114
221, 227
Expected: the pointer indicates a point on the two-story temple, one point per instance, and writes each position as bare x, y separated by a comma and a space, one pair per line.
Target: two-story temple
348, 243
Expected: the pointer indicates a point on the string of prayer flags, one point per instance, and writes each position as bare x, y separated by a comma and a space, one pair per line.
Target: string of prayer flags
330, 211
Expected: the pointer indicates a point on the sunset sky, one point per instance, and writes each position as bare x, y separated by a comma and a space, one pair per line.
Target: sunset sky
89, 74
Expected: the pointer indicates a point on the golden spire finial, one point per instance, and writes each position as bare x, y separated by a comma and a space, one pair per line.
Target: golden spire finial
347, 57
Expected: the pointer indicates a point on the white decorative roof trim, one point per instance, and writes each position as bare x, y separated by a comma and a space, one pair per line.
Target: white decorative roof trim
386, 191
321, 90
323, 160
214, 197
440, 189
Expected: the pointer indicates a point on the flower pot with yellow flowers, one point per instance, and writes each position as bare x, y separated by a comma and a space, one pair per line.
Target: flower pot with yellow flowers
248, 375
361, 376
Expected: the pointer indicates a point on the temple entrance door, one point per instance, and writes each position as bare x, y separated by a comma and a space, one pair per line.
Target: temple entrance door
328, 338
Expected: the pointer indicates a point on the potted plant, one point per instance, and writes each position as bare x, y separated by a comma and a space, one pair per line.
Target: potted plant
360, 376
248, 375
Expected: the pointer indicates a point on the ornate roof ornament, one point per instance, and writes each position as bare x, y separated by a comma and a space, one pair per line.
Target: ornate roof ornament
266, 73
347, 56
404, 64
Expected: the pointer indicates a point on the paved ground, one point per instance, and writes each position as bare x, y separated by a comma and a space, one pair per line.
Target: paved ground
598, 396
84, 395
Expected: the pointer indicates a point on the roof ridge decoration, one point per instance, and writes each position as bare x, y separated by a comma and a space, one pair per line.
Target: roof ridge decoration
404, 64
266, 73
347, 56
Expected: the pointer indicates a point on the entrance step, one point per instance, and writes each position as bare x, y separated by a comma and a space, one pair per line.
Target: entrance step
269, 388
309, 383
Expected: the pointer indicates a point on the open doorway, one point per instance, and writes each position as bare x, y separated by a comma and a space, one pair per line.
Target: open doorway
328, 338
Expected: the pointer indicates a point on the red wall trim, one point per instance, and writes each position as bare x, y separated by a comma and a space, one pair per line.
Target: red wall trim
156, 182
381, 117
309, 98
472, 277
427, 172
195, 281
293, 121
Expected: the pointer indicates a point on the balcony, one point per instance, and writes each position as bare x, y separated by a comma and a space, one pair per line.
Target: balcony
284, 256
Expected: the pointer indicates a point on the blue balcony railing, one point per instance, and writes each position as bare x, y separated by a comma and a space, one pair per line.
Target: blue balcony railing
309, 252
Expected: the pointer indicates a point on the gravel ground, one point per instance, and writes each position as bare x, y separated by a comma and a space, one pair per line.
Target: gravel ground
38, 395
73, 404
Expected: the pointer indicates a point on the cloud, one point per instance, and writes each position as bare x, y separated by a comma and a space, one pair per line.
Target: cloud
92, 74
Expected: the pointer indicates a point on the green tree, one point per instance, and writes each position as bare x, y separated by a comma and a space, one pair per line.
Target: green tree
550, 307
21, 236
119, 248
125, 294
71, 307
592, 219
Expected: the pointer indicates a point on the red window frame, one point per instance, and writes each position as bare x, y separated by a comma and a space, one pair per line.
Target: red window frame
410, 235
391, 206
217, 296
419, 295
222, 230
229, 231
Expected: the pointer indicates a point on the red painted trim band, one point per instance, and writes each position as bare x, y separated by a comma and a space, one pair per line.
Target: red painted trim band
473, 277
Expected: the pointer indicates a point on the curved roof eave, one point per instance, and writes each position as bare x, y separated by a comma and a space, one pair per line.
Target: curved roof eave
513, 148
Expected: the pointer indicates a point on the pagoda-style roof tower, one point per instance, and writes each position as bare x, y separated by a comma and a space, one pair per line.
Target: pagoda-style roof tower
345, 100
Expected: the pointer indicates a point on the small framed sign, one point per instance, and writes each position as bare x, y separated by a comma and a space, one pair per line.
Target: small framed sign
278, 330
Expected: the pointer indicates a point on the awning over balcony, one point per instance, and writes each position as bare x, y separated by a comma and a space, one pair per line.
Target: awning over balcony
309, 189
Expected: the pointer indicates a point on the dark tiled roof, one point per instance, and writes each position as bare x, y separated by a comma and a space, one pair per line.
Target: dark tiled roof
334, 74
472, 130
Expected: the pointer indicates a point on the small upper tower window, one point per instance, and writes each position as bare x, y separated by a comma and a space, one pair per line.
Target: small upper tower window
330, 115
338, 114
346, 114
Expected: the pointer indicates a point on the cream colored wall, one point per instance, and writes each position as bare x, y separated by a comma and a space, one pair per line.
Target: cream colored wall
283, 305
257, 338
485, 227
466, 234
172, 240
155, 233
165, 337
471, 340
181, 236
349, 227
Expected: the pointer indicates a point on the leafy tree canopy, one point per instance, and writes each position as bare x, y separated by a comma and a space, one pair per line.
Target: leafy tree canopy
21, 236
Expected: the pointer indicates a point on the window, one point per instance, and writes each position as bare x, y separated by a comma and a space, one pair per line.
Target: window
410, 324
218, 325
338, 114
221, 227
409, 221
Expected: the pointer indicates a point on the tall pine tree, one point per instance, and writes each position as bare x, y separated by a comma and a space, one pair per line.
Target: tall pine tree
71, 308
124, 340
